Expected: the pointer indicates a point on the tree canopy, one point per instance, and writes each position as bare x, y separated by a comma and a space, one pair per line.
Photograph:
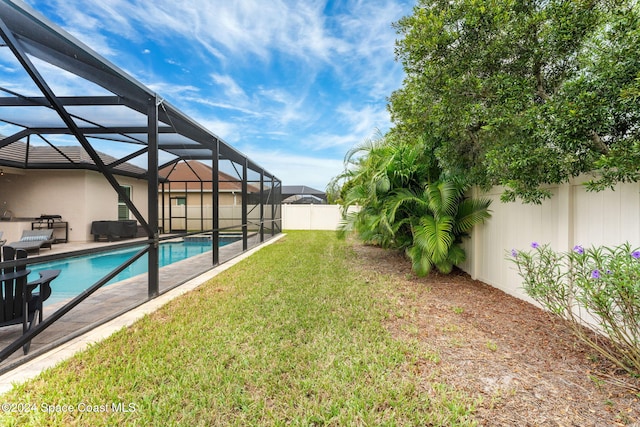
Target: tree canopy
518, 93
522, 93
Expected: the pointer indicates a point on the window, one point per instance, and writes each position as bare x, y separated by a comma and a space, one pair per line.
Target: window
123, 210
181, 201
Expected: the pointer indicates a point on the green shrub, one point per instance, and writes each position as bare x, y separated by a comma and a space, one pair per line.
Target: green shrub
597, 287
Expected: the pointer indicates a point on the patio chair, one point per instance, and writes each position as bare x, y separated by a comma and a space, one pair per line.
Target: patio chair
19, 303
33, 240
2, 241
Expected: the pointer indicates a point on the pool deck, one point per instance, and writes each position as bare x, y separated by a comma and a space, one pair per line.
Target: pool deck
109, 309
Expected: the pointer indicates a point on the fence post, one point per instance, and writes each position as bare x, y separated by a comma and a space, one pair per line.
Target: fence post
476, 243
566, 216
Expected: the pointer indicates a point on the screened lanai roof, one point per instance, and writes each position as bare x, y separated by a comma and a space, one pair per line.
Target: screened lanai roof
56, 91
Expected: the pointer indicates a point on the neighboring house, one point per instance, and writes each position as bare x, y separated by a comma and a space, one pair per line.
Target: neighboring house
188, 179
187, 197
301, 194
67, 185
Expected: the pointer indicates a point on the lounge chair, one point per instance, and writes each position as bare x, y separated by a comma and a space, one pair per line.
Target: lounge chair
2, 241
18, 301
33, 240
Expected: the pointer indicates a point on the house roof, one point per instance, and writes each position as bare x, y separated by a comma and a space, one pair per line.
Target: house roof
194, 175
51, 157
301, 194
300, 190
304, 200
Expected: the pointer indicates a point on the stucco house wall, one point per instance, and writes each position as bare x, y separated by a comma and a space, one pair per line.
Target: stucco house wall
188, 180
79, 196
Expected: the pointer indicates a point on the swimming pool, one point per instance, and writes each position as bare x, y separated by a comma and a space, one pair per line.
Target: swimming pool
78, 273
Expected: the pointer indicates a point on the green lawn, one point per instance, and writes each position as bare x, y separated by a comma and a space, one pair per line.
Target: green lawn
292, 335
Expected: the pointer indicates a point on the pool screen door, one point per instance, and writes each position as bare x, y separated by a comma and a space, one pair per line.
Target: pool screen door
177, 214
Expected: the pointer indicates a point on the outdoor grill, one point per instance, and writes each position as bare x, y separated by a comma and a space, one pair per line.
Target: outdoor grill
60, 228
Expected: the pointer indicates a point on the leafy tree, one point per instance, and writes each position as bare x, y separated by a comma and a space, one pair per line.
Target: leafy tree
612, 83
523, 93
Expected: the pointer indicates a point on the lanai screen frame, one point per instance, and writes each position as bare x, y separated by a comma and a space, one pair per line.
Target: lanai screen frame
264, 204
30, 36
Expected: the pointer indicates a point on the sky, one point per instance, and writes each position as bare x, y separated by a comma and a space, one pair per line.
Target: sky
293, 84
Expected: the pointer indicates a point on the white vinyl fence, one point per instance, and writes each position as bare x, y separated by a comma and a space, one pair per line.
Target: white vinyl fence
294, 217
571, 217
310, 217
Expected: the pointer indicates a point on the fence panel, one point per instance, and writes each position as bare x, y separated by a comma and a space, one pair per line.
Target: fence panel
310, 217
571, 217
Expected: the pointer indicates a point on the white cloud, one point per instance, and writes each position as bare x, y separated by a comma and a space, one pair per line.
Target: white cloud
8, 62
358, 42
250, 26
335, 61
231, 88
89, 28
326, 140
225, 130
222, 105
372, 39
359, 125
363, 121
283, 106
273, 107
276, 105
258, 27
173, 91
296, 169
60, 81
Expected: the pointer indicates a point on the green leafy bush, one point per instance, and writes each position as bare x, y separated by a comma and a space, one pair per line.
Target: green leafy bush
597, 287
438, 228
406, 203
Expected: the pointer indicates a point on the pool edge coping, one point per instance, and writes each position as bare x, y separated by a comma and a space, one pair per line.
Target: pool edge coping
34, 367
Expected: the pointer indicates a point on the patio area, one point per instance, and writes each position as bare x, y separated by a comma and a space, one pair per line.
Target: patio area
108, 303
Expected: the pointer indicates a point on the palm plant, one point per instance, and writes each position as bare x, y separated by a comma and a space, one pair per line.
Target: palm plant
384, 167
445, 217
365, 182
400, 207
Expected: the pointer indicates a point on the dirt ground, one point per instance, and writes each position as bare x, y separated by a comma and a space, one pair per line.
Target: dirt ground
525, 366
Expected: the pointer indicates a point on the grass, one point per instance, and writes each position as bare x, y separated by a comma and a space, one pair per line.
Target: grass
292, 335
491, 345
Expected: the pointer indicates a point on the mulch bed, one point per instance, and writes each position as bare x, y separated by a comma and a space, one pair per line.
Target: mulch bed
526, 366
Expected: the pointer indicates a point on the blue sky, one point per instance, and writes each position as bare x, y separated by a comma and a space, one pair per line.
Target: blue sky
292, 84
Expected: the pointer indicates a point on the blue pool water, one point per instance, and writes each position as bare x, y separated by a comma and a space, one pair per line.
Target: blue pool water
78, 273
